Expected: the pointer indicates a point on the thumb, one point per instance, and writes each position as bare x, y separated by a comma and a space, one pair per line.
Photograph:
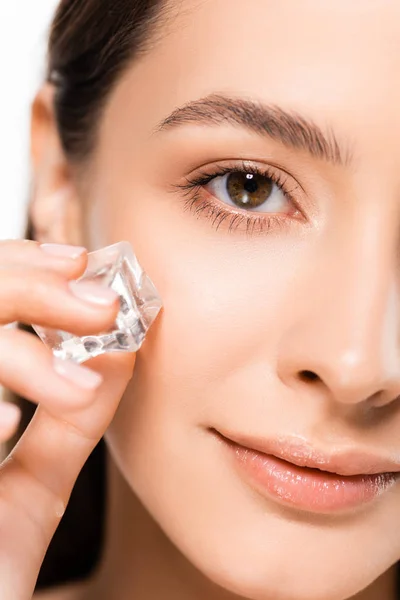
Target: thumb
37, 478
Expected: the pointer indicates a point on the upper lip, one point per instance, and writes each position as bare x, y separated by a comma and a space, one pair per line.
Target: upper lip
300, 452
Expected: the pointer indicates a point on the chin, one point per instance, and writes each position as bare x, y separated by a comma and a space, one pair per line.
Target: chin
266, 573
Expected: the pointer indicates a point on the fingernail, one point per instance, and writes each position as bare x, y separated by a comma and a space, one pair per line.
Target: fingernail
81, 376
63, 250
92, 292
10, 414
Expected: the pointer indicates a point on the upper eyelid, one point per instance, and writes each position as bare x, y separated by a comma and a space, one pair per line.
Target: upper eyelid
244, 164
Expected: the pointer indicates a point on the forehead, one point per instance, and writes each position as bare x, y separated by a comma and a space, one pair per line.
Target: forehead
336, 61
221, 39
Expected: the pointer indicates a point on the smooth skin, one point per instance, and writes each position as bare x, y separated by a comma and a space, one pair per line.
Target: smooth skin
244, 315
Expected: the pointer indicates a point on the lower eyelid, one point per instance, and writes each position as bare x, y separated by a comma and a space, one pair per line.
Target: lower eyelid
246, 222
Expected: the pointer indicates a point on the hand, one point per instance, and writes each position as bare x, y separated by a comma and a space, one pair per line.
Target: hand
76, 404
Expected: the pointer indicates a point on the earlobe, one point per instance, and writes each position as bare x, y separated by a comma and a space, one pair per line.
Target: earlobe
55, 208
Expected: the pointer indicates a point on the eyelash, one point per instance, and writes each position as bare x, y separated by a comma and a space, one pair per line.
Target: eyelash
215, 212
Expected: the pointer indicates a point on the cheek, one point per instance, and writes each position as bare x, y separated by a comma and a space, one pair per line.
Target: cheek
223, 309
226, 301
223, 294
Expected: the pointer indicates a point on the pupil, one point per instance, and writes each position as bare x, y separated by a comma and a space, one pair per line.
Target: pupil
251, 185
248, 190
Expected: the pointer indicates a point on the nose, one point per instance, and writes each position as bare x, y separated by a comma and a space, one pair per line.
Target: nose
344, 332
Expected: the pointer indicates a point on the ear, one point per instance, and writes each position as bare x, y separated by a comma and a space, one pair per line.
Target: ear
55, 209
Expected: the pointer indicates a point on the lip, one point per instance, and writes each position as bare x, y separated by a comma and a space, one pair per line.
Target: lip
303, 454
296, 473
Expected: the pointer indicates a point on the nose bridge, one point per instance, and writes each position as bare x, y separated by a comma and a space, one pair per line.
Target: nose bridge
348, 331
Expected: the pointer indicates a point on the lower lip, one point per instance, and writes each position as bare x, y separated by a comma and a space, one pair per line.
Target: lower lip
305, 488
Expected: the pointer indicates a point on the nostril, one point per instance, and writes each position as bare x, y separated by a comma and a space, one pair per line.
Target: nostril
308, 376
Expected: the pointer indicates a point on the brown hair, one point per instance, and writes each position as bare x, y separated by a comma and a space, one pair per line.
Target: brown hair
91, 42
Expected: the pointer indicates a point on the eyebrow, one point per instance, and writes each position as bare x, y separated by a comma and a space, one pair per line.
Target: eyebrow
290, 128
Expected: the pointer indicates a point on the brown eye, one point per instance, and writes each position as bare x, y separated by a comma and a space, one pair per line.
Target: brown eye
252, 191
248, 190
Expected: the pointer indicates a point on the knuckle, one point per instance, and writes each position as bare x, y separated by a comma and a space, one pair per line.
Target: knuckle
45, 513
10, 244
38, 288
28, 288
15, 241
81, 432
14, 281
65, 410
30, 353
40, 281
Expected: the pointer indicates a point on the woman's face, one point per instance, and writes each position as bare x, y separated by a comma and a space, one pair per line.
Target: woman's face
281, 300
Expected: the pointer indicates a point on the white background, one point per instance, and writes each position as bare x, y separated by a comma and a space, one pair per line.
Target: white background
23, 34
